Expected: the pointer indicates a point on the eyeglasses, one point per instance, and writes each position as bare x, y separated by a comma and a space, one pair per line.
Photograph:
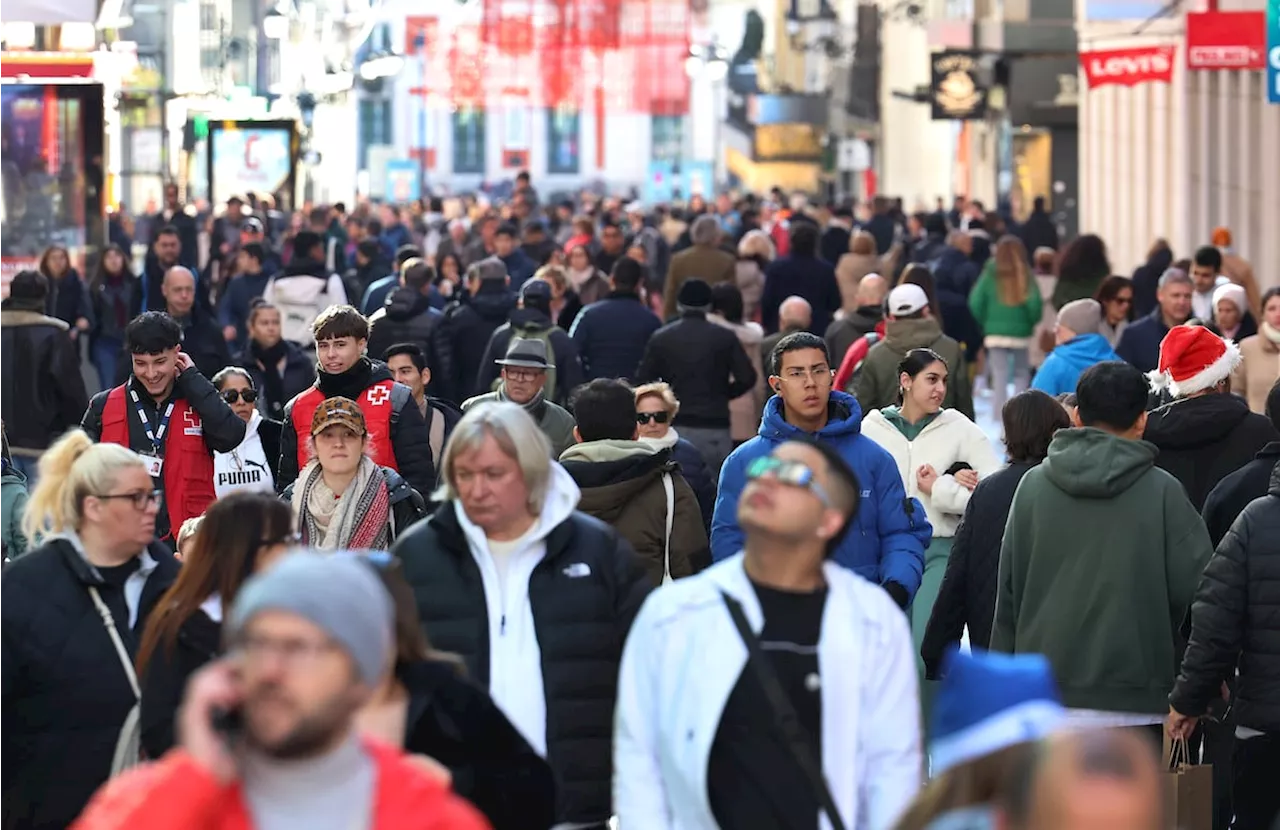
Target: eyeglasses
1122, 300
287, 539
294, 653
141, 499
790, 473
820, 374
233, 395
656, 417
522, 375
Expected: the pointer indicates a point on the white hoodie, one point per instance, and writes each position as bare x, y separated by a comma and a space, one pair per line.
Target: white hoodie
515, 660
246, 467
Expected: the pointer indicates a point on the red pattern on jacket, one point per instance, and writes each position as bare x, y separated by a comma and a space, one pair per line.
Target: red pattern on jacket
375, 403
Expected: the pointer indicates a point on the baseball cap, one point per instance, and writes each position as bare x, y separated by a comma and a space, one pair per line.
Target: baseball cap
907, 299
338, 412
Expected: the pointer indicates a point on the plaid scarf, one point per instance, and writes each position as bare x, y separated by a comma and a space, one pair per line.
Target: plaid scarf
362, 518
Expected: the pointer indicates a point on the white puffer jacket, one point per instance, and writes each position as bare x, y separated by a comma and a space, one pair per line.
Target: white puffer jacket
948, 439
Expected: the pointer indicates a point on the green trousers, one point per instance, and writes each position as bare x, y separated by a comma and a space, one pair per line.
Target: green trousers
935, 565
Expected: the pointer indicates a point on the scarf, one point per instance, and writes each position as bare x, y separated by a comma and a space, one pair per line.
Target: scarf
666, 442
534, 407
579, 278
348, 384
359, 519
1270, 333
273, 397
116, 292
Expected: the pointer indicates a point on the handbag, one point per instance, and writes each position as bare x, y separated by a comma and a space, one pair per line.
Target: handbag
784, 714
128, 752
1189, 789
671, 517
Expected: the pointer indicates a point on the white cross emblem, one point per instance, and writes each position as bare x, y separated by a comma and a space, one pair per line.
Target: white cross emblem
378, 395
194, 426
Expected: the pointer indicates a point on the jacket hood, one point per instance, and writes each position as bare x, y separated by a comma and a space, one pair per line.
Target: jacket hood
12, 475
1086, 350
1090, 463
612, 474
406, 303
904, 335
1195, 422
844, 418
305, 267
561, 500
296, 284
494, 305
529, 320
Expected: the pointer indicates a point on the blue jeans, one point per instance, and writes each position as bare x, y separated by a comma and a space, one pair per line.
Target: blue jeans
105, 355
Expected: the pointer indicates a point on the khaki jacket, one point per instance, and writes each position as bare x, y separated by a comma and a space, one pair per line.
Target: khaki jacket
1258, 371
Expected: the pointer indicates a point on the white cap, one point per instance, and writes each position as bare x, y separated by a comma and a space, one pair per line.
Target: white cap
907, 299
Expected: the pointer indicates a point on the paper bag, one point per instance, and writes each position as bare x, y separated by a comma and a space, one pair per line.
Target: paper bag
1188, 788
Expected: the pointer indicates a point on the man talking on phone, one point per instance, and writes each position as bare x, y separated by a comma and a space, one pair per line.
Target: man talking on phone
171, 415
268, 734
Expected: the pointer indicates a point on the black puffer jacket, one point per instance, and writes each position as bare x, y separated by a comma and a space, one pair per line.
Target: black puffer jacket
43, 391
164, 679
1234, 621
1202, 440
407, 317
585, 594
1232, 495
463, 335
968, 592
66, 695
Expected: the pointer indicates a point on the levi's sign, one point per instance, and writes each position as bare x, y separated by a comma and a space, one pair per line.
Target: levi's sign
1129, 67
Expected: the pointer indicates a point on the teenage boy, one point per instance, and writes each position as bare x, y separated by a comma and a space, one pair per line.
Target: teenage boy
398, 436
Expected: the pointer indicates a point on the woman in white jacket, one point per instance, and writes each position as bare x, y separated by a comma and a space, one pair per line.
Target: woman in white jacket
941, 456
250, 465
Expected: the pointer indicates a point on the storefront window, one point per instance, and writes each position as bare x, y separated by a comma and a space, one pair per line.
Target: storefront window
468, 141
564, 128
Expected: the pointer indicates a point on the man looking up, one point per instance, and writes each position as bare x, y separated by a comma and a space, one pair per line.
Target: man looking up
889, 534
397, 434
171, 415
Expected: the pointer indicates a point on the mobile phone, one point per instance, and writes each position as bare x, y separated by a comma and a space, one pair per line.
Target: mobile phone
229, 723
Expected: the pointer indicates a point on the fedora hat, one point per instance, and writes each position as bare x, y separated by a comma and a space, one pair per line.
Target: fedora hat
530, 354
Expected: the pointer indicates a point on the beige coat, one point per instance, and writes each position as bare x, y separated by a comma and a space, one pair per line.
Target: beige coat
853, 267
1257, 372
746, 410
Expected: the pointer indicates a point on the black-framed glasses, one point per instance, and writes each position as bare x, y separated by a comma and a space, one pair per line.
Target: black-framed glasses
231, 396
141, 498
656, 417
287, 539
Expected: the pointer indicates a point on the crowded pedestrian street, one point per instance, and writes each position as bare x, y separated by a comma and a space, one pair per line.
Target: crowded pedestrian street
663, 415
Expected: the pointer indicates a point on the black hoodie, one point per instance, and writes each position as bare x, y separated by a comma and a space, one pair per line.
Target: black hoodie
463, 335
407, 317
1204, 439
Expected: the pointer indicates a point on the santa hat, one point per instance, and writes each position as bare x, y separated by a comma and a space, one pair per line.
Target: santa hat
987, 702
1193, 359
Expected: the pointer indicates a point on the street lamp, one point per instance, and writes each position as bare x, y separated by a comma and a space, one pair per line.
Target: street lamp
710, 63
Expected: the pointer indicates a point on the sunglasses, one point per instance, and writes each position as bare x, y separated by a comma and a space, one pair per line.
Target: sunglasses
234, 395
790, 473
656, 417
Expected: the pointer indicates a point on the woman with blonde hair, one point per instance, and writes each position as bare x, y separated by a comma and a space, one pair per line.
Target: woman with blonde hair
656, 409
72, 611
860, 261
755, 252
1006, 304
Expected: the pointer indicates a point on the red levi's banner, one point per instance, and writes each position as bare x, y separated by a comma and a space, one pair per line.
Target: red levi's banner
1129, 67
1227, 40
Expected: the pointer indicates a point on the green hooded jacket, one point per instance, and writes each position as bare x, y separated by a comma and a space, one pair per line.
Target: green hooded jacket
1101, 557
13, 502
878, 380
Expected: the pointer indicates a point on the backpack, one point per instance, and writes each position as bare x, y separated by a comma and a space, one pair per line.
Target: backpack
859, 351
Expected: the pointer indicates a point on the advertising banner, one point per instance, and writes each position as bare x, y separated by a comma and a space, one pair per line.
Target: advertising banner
1129, 67
1273, 51
251, 156
403, 181
1226, 40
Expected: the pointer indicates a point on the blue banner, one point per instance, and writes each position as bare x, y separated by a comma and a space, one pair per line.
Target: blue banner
403, 181
1273, 51
668, 181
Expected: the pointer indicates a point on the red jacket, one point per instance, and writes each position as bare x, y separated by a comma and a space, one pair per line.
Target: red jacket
188, 464
375, 403
176, 792
854, 356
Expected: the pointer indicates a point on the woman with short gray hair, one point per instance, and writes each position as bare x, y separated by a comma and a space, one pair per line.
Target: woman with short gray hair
535, 596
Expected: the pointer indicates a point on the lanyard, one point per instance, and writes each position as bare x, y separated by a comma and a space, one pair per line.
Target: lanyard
157, 437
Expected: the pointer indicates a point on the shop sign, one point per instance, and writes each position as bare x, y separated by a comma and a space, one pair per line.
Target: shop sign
1273, 51
1129, 67
1226, 40
955, 91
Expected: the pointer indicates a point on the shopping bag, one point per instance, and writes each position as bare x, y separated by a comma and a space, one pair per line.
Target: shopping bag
1188, 788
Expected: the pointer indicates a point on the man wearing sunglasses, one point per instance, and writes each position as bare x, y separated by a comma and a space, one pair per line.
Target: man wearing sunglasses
762, 691
890, 533
171, 415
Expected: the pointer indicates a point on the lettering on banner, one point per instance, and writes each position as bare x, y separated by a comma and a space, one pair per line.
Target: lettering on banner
1129, 67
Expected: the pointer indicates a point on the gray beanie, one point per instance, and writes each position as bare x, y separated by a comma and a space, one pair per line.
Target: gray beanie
1081, 316
337, 593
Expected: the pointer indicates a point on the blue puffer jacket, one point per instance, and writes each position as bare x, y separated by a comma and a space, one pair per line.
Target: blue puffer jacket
1064, 365
889, 534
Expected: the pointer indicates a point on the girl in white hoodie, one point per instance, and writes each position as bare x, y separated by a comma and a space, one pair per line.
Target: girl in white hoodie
250, 465
930, 444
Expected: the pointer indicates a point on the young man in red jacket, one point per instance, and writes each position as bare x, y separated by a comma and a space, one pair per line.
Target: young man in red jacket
398, 436
310, 640
168, 413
